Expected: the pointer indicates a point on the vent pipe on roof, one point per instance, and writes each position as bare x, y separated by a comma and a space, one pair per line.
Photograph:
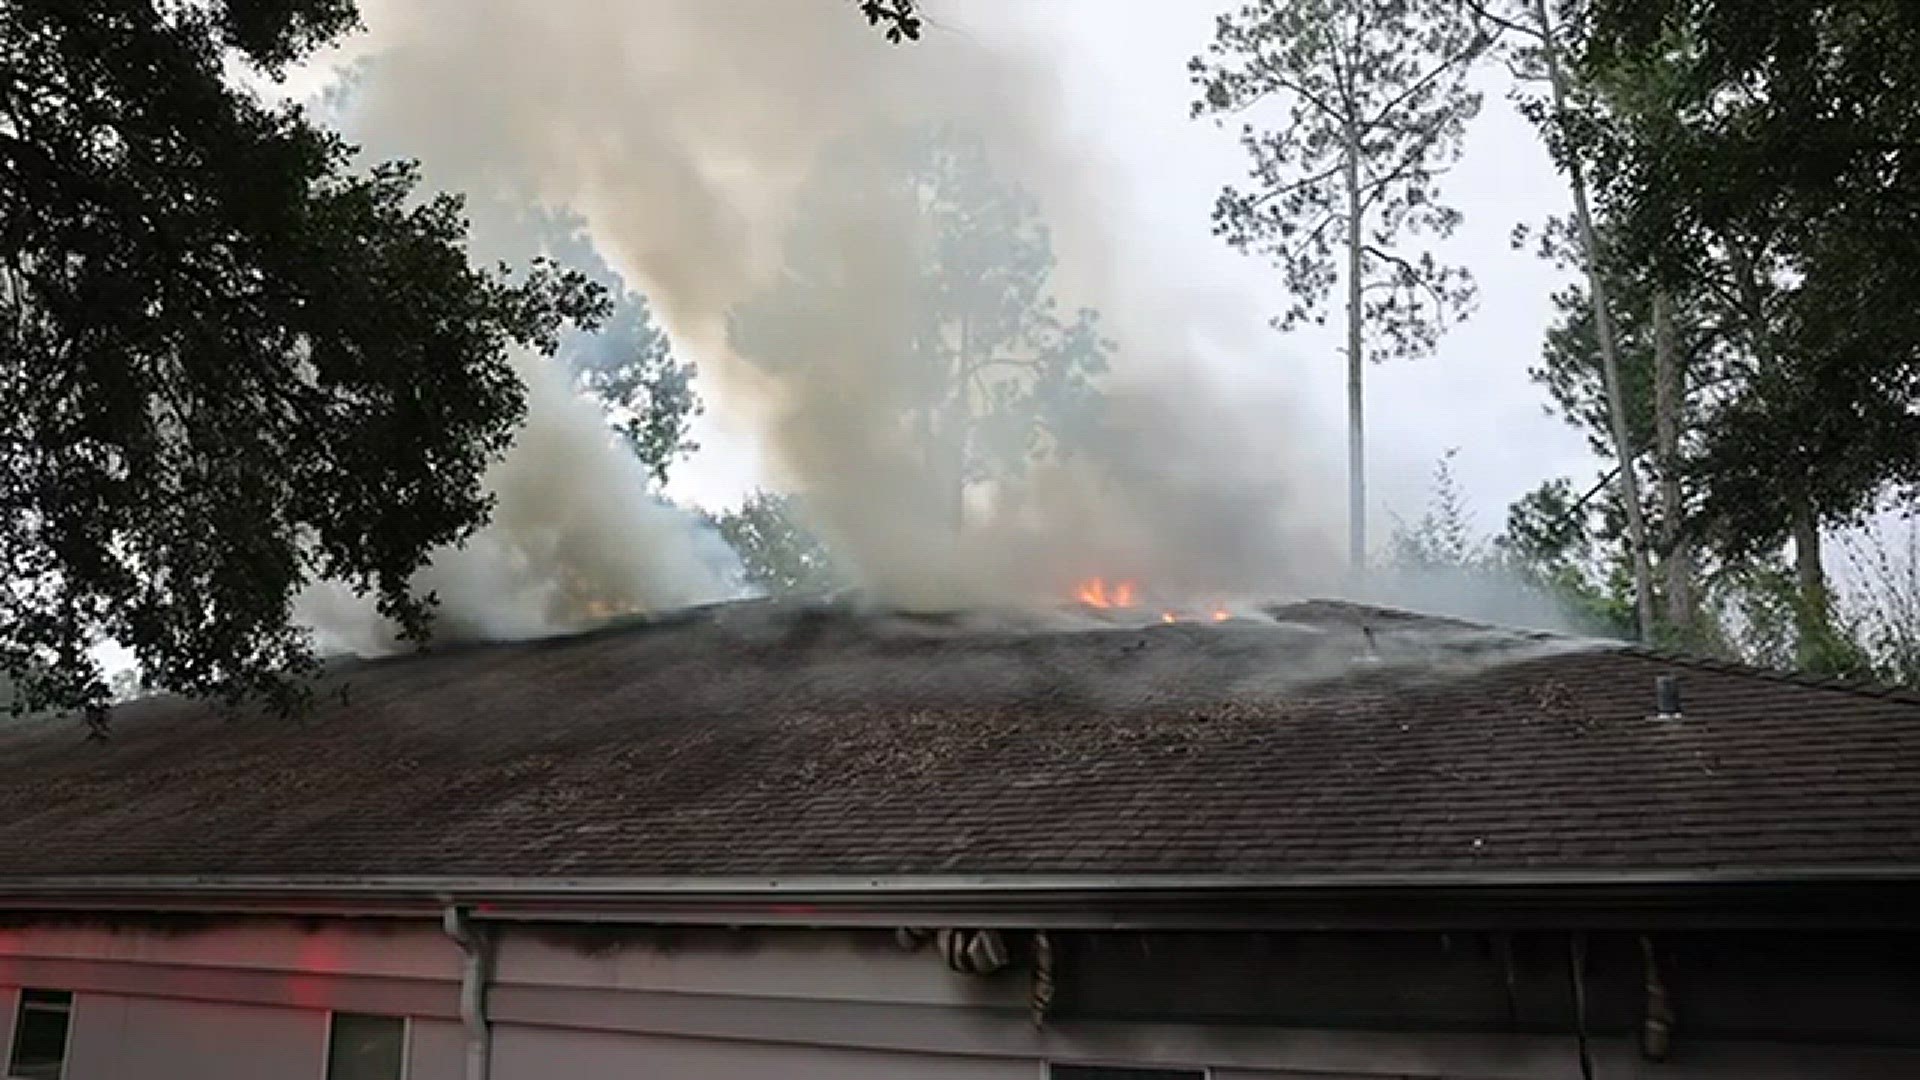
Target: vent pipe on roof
1666, 697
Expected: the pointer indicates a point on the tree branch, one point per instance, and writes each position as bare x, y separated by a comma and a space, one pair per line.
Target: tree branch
1273, 75
1288, 189
1414, 275
1474, 48
1375, 188
1481, 11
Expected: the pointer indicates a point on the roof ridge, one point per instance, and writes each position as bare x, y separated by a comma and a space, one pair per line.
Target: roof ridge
1862, 687
1371, 607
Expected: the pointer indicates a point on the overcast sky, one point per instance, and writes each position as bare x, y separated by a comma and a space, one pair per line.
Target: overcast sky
1121, 71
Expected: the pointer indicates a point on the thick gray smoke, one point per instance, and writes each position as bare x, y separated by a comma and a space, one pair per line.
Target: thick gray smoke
576, 537
685, 132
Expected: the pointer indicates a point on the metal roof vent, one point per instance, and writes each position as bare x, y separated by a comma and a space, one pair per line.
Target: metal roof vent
1666, 697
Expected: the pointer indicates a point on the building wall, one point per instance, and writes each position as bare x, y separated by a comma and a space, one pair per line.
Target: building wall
536, 1051
250, 999
118, 1036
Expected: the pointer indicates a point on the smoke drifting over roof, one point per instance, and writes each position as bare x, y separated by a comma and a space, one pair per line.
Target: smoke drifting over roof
686, 132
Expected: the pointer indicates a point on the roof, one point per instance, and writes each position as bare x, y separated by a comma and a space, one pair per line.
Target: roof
760, 741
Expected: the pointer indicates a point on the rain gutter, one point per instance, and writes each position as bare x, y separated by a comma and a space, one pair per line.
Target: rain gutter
1755, 897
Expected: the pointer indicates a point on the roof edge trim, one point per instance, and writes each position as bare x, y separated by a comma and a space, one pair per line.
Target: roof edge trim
692, 885
1798, 896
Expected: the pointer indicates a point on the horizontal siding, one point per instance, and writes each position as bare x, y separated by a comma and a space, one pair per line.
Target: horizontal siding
128, 1038
811, 964
525, 1053
153, 1005
438, 1051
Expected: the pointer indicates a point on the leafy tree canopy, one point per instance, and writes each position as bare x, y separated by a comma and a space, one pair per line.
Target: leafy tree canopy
1764, 151
1370, 106
780, 553
626, 363
899, 18
231, 365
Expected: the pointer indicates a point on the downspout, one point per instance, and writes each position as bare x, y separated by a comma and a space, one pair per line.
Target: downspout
476, 970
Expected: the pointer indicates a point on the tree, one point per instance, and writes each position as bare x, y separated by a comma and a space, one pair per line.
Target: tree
1537, 51
648, 396
1372, 105
1671, 365
969, 345
900, 17
1443, 537
230, 364
1543, 570
779, 552
1552, 541
1766, 157
626, 363
1885, 604
1669, 394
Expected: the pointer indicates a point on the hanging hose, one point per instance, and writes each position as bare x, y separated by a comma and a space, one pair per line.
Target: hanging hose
1577, 972
1041, 996
1656, 1035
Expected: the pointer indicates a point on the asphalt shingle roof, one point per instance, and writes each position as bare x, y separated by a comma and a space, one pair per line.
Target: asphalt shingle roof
759, 740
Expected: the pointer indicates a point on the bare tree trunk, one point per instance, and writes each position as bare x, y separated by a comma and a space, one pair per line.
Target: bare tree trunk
1356, 368
959, 413
1810, 577
1668, 391
1609, 349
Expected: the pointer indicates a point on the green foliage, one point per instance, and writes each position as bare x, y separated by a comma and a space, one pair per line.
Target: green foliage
1371, 105
626, 363
1570, 372
899, 17
1444, 535
1542, 570
1549, 542
1882, 604
1734, 149
1569, 367
1767, 622
1755, 152
779, 552
230, 365
628, 366
967, 340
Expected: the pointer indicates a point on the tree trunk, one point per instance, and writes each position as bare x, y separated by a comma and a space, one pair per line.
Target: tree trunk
1669, 391
1356, 367
959, 417
1810, 577
1609, 350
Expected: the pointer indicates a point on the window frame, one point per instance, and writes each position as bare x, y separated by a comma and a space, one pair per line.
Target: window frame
20, 1007
1197, 1072
406, 1041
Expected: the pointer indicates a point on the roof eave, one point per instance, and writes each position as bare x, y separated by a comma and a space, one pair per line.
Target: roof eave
1706, 898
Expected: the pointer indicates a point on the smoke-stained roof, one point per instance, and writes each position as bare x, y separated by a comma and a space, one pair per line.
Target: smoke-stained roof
756, 739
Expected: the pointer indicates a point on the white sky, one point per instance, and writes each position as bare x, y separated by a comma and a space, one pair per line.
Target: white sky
1121, 66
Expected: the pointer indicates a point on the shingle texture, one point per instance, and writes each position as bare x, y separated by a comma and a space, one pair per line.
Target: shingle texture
759, 740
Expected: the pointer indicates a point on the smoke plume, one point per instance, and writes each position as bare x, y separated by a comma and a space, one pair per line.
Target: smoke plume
685, 133
576, 537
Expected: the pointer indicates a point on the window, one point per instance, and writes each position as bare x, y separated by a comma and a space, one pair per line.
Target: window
40, 1035
364, 1047
1120, 1073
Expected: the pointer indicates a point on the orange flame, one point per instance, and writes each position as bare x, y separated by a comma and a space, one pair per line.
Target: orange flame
1169, 617
1096, 592
1221, 614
